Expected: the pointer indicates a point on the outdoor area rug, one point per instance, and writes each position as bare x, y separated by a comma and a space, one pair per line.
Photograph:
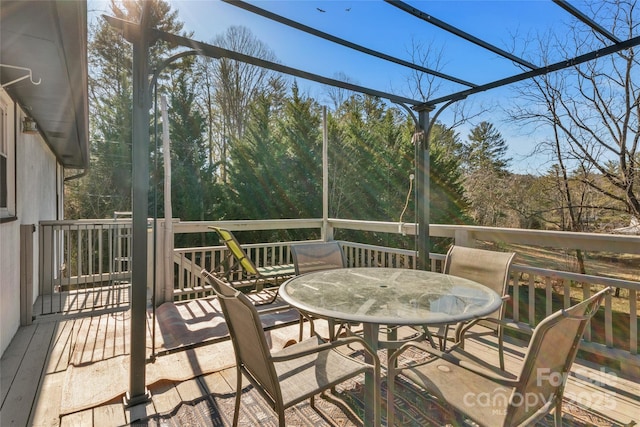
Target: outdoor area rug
95, 359
344, 408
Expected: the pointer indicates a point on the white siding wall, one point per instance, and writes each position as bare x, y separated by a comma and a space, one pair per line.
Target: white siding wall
38, 185
9, 282
9, 248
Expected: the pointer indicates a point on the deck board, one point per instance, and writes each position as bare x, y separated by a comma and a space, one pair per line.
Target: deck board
165, 398
13, 356
190, 390
61, 347
217, 383
46, 412
107, 335
109, 415
78, 419
27, 380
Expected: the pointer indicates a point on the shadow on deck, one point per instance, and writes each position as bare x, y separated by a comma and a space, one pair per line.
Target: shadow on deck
73, 370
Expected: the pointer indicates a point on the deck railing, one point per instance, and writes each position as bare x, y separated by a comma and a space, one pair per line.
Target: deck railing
84, 264
89, 251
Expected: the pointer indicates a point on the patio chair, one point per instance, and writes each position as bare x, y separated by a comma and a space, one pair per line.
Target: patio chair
316, 256
489, 268
238, 262
493, 397
295, 373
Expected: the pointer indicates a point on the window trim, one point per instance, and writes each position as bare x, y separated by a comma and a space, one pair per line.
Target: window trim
8, 115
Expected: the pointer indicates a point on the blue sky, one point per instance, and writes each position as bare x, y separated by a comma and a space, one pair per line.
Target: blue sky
382, 27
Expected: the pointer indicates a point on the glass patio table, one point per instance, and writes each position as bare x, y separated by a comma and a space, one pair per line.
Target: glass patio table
388, 296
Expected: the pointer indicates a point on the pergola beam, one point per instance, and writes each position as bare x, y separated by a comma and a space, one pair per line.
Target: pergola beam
458, 32
585, 19
540, 71
293, 24
212, 51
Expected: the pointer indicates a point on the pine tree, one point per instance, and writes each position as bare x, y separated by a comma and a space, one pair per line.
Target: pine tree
486, 175
107, 186
486, 150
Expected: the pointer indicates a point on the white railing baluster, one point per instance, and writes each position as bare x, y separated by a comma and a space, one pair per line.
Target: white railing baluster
89, 259
532, 301
548, 295
608, 322
516, 299
633, 321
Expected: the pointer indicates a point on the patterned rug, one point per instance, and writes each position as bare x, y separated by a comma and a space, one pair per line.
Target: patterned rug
344, 408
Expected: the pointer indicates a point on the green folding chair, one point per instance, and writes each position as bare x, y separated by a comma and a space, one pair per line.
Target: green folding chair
240, 271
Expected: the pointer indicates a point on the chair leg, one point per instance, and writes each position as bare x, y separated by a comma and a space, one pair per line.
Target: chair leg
429, 336
557, 419
312, 328
236, 410
443, 338
501, 347
301, 328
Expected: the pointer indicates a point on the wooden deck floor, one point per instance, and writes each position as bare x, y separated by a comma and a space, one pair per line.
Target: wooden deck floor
39, 362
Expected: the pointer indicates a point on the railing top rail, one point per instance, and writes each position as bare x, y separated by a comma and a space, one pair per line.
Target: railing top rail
547, 233
596, 242
247, 225
378, 248
85, 222
223, 247
577, 277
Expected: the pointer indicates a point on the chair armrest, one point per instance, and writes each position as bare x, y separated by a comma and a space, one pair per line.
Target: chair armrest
322, 346
451, 358
462, 329
393, 356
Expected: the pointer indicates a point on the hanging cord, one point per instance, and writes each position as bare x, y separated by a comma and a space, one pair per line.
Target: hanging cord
406, 204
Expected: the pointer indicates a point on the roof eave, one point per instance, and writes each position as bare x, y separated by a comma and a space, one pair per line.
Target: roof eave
50, 39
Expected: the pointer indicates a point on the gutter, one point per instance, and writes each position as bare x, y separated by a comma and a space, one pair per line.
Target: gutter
80, 175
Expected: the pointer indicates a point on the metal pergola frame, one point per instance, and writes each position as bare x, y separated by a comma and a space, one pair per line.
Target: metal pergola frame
142, 36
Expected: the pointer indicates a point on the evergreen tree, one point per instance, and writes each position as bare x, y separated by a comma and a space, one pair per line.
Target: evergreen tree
256, 172
107, 186
448, 202
188, 151
299, 130
486, 180
486, 150
369, 163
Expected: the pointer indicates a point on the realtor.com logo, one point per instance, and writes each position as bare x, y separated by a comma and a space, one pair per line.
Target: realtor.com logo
499, 398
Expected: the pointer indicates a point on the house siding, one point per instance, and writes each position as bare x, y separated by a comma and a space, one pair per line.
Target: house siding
38, 189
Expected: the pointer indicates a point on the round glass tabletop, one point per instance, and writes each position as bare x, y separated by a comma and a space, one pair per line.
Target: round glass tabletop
389, 296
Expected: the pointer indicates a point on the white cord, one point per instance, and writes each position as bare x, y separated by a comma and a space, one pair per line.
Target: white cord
406, 204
